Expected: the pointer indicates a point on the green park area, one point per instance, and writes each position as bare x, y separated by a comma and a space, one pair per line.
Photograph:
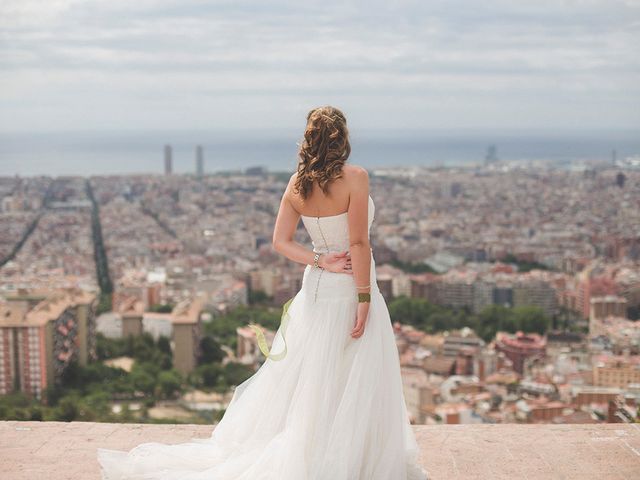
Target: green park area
133, 379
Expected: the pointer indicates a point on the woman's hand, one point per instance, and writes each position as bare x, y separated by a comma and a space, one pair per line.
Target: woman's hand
337, 262
362, 315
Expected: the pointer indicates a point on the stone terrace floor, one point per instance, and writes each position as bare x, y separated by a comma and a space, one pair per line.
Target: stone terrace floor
67, 451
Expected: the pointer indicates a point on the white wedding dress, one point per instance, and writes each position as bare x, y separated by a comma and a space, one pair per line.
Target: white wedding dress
332, 409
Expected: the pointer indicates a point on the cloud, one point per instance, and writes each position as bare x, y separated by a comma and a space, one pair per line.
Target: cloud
185, 64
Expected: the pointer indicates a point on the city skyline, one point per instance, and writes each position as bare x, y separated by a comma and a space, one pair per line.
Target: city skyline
116, 153
491, 259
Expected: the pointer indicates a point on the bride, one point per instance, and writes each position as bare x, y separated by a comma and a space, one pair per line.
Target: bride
329, 404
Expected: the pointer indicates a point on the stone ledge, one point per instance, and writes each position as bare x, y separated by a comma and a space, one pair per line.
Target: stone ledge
67, 451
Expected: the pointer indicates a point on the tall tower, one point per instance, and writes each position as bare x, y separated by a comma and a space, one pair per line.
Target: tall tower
491, 156
168, 161
199, 161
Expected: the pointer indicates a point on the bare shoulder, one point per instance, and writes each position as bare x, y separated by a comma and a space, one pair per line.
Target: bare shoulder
355, 175
354, 170
290, 193
291, 183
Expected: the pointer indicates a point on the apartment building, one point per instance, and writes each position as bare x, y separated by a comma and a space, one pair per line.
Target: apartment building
41, 334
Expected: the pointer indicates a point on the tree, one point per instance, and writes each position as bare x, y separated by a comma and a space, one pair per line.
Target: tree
144, 348
207, 375
67, 409
524, 266
169, 382
259, 297
493, 318
412, 267
235, 373
223, 327
439, 321
143, 380
98, 403
164, 345
530, 319
412, 311
211, 351
35, 413
161, 308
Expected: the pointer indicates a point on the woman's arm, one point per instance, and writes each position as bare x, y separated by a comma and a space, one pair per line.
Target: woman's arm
359, 245
283, 242
358, 215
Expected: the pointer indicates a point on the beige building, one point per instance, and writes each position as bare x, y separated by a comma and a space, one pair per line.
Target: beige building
456, 289
41, 334
247, 350
183, 324
616, 370
131, 312
420, 396
266, 280
603, 307
535, 292
187, 333
456, 340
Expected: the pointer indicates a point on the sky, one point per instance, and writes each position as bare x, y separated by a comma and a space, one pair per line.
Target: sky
112, 65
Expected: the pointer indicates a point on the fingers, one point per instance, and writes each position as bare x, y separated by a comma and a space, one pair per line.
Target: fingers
337, 258
346, 267
339, 262
358, 330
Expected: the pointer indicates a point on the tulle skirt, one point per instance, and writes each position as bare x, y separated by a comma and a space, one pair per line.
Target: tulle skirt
332, 409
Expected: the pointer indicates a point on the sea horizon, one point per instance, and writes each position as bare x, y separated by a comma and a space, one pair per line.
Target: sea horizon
113, 152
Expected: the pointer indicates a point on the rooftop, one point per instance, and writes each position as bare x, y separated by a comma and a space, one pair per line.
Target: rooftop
60, 450
187, 311
36, 310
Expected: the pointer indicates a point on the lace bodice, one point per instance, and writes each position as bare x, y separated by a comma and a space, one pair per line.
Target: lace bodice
331, 233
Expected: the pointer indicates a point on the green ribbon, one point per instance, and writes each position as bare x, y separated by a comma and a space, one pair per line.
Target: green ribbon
262, 341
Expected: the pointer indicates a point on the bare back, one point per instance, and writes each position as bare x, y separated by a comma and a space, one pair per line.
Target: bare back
319, 204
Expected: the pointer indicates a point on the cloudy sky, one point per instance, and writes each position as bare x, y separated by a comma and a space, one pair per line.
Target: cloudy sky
186, 64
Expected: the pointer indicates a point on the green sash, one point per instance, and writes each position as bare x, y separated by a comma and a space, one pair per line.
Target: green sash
262, 341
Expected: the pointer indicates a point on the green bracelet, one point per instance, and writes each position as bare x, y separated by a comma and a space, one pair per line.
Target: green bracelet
364, 297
